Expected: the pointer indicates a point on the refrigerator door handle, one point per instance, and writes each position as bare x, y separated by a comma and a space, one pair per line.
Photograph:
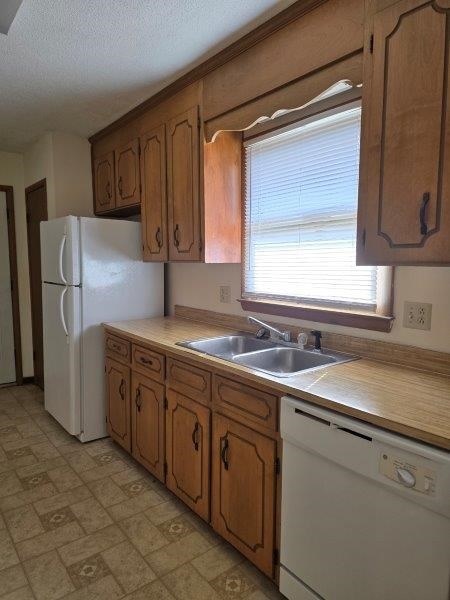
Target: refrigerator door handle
61, 313
62, 245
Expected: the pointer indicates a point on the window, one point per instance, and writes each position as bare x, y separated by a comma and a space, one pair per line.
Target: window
300, 218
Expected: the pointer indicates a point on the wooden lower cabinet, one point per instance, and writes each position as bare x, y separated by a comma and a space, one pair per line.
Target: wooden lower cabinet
147, 423
118, 402
218, 457
188, 451
243, 490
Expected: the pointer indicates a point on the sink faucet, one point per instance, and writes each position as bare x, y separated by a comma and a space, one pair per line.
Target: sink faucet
266, 328
317, 337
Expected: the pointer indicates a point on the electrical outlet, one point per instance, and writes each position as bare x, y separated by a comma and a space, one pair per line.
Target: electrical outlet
417, 315
225, 293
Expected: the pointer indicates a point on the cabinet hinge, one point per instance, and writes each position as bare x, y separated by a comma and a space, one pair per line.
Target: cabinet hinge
165, 468
277, 465
166, 403
276, 556
371, 44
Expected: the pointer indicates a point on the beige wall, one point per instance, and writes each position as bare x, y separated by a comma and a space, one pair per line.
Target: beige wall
64, 161
72, 175
197, 285
12, 173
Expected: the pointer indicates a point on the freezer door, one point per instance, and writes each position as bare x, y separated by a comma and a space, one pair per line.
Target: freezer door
62, 372
60, 253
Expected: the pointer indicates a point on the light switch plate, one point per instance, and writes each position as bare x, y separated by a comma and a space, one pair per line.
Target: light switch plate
417, 315
225, 294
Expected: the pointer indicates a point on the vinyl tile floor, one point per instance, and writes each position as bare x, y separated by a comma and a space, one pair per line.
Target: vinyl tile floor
86, 522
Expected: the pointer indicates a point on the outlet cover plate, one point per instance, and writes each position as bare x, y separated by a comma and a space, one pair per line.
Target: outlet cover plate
417, 315
225, 293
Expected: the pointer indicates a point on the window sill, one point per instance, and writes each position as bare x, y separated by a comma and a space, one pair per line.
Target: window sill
333, 316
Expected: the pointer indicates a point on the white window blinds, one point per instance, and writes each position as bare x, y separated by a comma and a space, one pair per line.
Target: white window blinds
300, 216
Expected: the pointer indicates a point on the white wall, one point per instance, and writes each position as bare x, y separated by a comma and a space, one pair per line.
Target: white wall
197, 285
12, 173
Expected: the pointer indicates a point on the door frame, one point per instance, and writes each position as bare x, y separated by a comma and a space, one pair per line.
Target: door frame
42, 183
9, 193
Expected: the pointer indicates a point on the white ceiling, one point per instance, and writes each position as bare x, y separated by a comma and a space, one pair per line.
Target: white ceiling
76, 65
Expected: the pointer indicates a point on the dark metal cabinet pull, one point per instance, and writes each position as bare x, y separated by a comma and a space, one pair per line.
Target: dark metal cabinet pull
119, 185
158, 237
138, 399
146, 361
176, 239
195, 436
422, 213
224, 454
122, 389
108, 190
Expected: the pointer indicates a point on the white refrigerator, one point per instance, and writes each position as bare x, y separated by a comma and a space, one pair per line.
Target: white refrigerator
92, 272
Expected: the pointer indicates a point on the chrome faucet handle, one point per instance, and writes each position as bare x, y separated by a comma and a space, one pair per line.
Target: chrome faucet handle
302, 340
262, 333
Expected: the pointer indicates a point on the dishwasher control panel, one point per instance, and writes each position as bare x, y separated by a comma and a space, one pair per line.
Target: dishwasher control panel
410, 475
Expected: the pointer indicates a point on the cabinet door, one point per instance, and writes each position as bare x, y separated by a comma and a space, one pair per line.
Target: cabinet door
187, 451
147, 412
405, 171
104, 187
183, 186
243, 490
118, 402
127, 174
154, 198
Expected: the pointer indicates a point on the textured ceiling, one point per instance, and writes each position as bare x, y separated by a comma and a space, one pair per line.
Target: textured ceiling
76, 65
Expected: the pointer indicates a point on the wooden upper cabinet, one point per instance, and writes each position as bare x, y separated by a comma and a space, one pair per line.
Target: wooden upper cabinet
127, 174
104, 185
154, 199
404, 212
183, 186
187, 454
118, 402
243, 490
147, 411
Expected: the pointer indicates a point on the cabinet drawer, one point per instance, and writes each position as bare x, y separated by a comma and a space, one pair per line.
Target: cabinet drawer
245, 403
189, 380
148, 362
117, 347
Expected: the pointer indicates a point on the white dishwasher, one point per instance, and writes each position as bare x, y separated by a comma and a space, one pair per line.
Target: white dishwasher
365, 513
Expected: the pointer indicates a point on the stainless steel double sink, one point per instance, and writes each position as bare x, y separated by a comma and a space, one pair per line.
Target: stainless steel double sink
279, 359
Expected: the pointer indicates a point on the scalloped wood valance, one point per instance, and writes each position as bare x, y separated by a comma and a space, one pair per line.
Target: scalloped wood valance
294, 96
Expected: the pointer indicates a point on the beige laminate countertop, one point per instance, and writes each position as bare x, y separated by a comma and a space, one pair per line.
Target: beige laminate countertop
407, 401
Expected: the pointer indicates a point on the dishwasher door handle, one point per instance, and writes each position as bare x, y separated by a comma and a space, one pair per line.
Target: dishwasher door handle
351, 432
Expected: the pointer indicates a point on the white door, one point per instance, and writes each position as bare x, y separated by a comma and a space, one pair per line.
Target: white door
62, 373
7, 364
60, 251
